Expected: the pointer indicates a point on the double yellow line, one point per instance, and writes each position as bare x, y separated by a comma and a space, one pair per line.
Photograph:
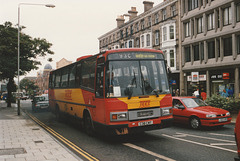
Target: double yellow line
64, 140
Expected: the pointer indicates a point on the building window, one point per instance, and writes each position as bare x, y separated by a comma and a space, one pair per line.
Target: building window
131, 30
142, 24
142, 41
121, 34
211, 49
164, 14
202, 51
238, 12
126, 32
200, 25
192, 4
173, 10
149, 21
171, 32
187, 54
156, 17
157, 38
137, 42
196, 52
130, 44
227, 18
187, 29
164, 34
137, 27
227, 46
211, 21
148, 39
172, 60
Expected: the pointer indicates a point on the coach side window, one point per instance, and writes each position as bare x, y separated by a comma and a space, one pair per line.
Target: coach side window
64, 79
99, 77
78, 80
88, 73
72, 76
57, 79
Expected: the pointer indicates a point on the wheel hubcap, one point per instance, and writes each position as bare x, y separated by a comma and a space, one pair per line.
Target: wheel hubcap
195, 123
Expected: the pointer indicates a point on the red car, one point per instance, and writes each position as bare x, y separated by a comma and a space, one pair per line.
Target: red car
196, 113
237, 136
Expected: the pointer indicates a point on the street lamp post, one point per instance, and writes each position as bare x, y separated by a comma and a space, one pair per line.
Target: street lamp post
46, 5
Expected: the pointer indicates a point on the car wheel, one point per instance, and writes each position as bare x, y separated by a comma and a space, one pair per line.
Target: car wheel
88, 125
195, 123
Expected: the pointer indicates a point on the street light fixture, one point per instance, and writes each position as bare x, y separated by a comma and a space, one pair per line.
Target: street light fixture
46, 5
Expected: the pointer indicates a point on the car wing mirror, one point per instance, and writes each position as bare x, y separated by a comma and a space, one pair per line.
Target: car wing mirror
181, 107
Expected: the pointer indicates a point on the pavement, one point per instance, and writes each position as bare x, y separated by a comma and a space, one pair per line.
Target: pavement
21, 139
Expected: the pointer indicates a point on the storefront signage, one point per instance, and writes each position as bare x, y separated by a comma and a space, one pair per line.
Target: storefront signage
200, 78
225, 75
195, 77
220, 76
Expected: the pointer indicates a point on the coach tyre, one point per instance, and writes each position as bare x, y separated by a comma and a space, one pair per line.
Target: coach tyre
195, 122
88, 124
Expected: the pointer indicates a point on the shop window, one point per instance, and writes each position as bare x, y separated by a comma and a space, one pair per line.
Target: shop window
227, 46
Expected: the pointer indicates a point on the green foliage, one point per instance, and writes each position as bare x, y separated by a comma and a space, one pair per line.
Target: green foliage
30, 50
229, 104
28, 85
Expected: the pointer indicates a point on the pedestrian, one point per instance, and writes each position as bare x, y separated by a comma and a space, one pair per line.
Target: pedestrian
203, 95
224, 94
174, 92
230, 92
177, 92
183, 93
196, 93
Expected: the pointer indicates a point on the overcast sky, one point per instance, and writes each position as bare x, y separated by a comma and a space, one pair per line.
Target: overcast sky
73, 26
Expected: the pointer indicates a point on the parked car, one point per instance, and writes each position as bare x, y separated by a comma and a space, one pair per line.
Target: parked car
237, 136
40, 102
196, 113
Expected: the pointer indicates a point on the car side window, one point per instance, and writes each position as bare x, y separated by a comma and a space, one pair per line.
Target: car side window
177, 103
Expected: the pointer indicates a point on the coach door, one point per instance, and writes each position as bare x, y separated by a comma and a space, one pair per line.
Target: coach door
99, 93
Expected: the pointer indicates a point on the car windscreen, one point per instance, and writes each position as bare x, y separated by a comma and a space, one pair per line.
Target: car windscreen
193, 102
41, 98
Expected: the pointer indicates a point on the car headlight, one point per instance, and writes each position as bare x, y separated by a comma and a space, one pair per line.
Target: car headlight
211, 115
228, 114
118, 116
166, 111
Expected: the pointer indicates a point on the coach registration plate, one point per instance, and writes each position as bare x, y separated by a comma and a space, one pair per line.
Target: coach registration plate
145, 123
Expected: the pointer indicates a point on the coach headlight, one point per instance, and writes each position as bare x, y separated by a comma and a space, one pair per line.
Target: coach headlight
166, 111
119, 116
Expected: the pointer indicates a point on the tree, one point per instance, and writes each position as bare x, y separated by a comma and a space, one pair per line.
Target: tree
28, 85
30, 50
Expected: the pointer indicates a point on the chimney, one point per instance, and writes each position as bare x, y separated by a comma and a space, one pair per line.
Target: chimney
147, 5
133, 13
120, 20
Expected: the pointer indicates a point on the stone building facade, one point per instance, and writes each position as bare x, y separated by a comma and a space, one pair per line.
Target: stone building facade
157, 28
210, 45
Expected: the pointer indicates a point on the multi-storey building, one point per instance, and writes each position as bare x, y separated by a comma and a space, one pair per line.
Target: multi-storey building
210, 45
156, 27
42, 80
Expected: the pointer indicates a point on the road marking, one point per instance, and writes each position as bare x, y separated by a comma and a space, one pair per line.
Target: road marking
209, 138
222, 144
64, 140
193, 142
147, 151
222, 135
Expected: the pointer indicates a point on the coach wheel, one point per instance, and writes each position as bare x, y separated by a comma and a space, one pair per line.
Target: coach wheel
57, 113
88, 125
195, 123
